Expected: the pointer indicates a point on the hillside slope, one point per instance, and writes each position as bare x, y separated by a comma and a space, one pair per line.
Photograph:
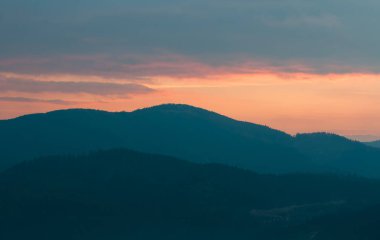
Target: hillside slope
122, 194
374, 144
186, 132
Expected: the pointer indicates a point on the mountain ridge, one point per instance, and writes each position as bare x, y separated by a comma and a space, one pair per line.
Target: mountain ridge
185, 132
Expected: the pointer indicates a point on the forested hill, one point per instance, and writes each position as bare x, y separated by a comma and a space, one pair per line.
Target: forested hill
185, 132
125, 194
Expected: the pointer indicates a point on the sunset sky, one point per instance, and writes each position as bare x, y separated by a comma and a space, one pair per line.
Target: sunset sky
295, 65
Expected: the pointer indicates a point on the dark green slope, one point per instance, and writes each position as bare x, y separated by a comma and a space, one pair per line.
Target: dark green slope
122, 194
351, 225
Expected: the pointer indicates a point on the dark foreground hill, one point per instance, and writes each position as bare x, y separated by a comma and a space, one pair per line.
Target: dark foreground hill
354, 225
186, 132
122, 194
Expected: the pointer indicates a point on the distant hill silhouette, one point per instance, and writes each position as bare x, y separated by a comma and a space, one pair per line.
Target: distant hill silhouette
186, 132
339, 153
374, 144
122, 194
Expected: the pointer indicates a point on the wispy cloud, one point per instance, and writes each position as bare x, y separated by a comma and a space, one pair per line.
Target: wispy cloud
35, 100
96, 88
323, 21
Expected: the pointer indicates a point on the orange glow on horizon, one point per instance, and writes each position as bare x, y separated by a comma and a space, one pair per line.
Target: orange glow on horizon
347, 104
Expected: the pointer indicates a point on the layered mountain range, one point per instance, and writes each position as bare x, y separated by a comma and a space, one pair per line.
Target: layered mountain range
123, 194
185, 132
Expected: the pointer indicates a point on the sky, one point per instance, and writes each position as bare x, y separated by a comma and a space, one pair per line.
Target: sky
294, 65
